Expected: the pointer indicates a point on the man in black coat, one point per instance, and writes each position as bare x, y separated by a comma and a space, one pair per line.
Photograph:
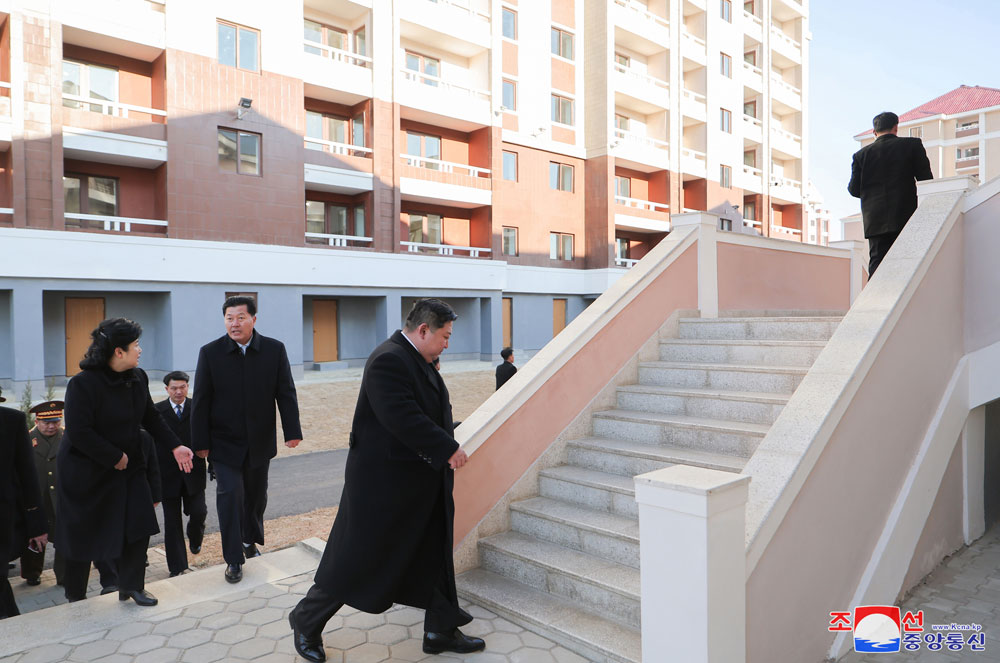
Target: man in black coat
22, 518
392, 539
506, 369
238, 380
180, 491
883, 176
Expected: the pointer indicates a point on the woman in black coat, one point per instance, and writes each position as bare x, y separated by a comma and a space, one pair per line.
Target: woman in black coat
105, 501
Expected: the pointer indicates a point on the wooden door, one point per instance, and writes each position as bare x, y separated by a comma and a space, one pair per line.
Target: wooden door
325, 330
508, 322
83, 314
558, 316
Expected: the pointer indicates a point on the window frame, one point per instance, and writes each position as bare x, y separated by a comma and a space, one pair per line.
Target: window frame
504, 12
753, 103
622, 126
504, 82
725, 64
623, 60
623, 182
350, 217
423, 147
503, 165
557, 105
503, 241
916, 132
725, 176
562, 169
620, 243
85, 87
350, 128
750, 210
564, 37
240, 133
84, 192
219, 22
557, 246
425, 227
422, 64
726, 120
726, 10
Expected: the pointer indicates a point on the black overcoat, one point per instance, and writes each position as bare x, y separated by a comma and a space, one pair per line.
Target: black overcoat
883, 176
392, 539
101, 507
174, 481
505, 371
232, 413
21, 513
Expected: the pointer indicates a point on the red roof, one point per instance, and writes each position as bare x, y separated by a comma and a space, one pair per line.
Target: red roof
962, 99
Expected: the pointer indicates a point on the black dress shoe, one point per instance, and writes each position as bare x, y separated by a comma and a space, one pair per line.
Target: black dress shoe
250, 551
34, 582
195, 541
181, 572
140, 596
234, 573
456, 641
109, 590
308, 648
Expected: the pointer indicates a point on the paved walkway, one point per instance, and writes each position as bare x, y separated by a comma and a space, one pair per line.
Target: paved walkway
201, 619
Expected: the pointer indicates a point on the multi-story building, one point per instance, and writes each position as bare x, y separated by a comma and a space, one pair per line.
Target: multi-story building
339, 158
819, 217
960, 130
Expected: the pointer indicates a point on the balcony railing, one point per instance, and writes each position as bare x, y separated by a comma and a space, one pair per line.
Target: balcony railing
639, 203
754, 18
444, 166
625, 262
643, 141
698, 41
787, 135
464, 5
437, 81
443, 249
694, 96
749, 119
115, 108
781, 230
753, 69
339, 240
115, 223
779, 34
337, 54
334, 147
694, 154
641, 77
785, 182
753, 172
643, 12
782, 83
967, 130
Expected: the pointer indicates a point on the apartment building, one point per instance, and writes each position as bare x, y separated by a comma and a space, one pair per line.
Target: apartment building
819, 216
340, 158
960, 130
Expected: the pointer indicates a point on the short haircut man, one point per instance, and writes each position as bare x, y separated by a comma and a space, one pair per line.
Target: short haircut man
506, 369
239, 379
402, 454
883, 176
180, 376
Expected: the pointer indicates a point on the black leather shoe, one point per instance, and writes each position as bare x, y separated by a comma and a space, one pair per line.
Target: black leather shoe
109, 590
195, 541
141, 597
250, 551
34, 582
307, 648
179, 573
456, 641
234, 573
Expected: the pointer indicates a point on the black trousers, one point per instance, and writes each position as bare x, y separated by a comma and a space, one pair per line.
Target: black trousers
195, 509
8, 607
878, 246
241, 497
33, 563
131, 569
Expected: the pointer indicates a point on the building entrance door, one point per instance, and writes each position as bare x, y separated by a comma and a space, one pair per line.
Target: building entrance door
83, 314
508, 322
325, 330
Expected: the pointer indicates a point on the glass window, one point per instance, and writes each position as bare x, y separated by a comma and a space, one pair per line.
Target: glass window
432, 147
337, 38
621, 122
227, 150
425, 65
425, 229
416, 228
560, 176
750, 210
359, 221
358, 131
338, 219
314, 128
509, 23
750, 108
510, 166
92, 81
750, 158
621, 248
562, 43
726, 65
239, 46
413, 144
71, 194
239, 151
562, 110
102, 196
433, 228
227, 44
726, 120
313, 31
916, 132
509, 95
725, 177
360, 41
622, 60
249, 154
726, 10
337, 127
420, 145
315, 216
748, 6
623, 187
248, 49
751, 58
509, 244
72, 82
560, 246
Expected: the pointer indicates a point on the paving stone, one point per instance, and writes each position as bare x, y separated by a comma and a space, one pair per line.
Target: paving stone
478, 627
405, 616
503, 643
267, 592
130, 630
533, 640
115, 658
247, 605
205, 609
161, 655
206, 653
563, 655
502, 624
191, 638
263, 616
276, 657
220, 621
284, 601
388, 634
364, 620
164, 616
336, 622
175, 625
237, 633
275, 630
531, 655
408, 650
252, 648
367, 653
234, 597
46, 654
345, 638
142, 644
94, 650
480, 613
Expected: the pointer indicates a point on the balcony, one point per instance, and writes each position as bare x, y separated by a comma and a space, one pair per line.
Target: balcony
785, 92
639, 152
115, 223
336, 75
971, 129
132, 28
753, 26
693, 105
347, 157
444, 182
753, 77
446, 249
638, 28
347, 181
786, 142
627, 263
693, 162
643, 216
114, 148
114, 108
752, 179
338, 241
788, 9
967, 162
651, 93
786, 189
781, 232
434, 100
459, 26
753, 129
694, 48
785, 45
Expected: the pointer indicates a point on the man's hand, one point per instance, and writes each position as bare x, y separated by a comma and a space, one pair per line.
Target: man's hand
122, 462
291, 444
183, 456
201, 454
458, 459
37, 543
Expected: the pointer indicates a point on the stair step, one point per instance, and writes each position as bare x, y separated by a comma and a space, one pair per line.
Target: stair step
717, 435
592, 637
632, 458
725, 351
595, 489
605, 587
755, 407
728, 377
787, 328
598, 533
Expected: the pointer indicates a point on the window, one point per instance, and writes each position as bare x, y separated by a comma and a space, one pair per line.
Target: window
750, 57
425, 228
239, 152
334, 128
621, 122
422, 145
726, 224
508, 244
725, 177
726, 120
238, 46
726, 10
967, 153
750, 108
750, 210
622, 60
562, 110
750, 158
90, 81
360, 41
430, 67
509, 23
725, 65
510, 166
621, 248
335, 218
917, 132
560, 246
325, 35
748, 7
562, 43
623, 187
87, 194
560, 177
509, 95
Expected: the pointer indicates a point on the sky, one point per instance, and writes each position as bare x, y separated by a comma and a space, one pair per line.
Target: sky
868, 56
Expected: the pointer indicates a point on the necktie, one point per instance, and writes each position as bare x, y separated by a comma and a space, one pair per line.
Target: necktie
178, 408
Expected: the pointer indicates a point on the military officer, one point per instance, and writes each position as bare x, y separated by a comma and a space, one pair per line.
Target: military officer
45, 439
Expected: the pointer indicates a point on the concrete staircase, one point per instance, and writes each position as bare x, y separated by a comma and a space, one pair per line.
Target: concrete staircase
569, 567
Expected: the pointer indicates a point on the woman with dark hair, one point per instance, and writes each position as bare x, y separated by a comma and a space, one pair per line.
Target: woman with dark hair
105, 504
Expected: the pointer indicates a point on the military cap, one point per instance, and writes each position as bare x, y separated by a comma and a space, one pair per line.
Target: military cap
47, 411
